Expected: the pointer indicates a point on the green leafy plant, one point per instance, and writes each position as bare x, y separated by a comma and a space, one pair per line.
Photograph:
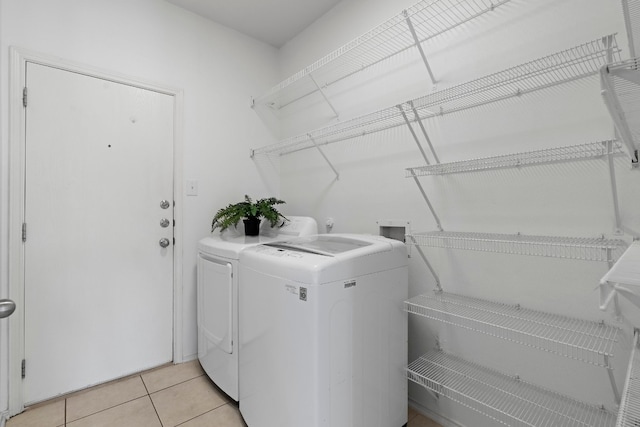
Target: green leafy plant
248, 209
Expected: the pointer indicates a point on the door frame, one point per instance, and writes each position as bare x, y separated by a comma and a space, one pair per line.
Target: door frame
18, 58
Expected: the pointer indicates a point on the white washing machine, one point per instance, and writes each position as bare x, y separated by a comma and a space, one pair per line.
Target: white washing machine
323, 332
217, 296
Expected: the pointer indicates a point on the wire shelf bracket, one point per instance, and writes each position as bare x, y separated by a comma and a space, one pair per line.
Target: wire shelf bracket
325, 157
418, 45
629, 412
324, 96
620, 89
426, 199
622, 279
503, 398
428, 264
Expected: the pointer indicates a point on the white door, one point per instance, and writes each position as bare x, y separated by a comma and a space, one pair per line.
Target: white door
98, 285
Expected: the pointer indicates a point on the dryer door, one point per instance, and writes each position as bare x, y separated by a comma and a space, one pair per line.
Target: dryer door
215, 308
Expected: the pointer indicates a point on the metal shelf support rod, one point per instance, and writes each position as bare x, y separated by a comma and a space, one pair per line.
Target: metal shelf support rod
629, 27
413, 133
616, 112
324, 95
324, 156
612, 380
426, 199
614, 187
418, 45
424, 131
427, 263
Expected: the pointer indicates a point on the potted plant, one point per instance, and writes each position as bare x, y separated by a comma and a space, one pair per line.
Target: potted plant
250, 212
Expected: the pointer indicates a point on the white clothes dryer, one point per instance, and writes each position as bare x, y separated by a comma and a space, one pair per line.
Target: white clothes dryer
323, 332
217, 295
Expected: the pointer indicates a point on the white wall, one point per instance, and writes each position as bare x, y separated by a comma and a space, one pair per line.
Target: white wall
567, 199
154, 41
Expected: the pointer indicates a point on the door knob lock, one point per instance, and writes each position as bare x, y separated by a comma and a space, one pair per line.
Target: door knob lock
164, 223
164, 242
7, 307
164, 204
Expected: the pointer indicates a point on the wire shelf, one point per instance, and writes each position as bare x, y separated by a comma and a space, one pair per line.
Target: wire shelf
430, 18
507, 400
629, 412
538, 157
582, 340
631, 10
562, 67
549, 155
623, 278
621, 92
588, 249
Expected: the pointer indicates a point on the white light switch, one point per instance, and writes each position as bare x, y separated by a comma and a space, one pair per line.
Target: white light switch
192, 188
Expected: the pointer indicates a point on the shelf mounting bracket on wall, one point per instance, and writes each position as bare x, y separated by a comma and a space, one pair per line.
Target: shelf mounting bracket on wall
627, 22
418, 45
424, 131
616, 111
428, 264
413, 133
324, 95
614, 187
324, 156
426, 199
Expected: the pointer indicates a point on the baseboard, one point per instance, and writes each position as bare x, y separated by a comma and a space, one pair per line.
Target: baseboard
440, 419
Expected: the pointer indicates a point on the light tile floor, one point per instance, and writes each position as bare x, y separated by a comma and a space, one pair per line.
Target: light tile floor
169, 396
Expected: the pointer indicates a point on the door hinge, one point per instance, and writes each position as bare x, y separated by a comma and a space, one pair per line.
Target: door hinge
24, 231
24, 97
23, 368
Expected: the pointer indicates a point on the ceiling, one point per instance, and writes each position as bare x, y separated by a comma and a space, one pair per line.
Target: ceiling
273, 21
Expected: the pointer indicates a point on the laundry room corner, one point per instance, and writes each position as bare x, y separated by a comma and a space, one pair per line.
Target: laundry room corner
161, 44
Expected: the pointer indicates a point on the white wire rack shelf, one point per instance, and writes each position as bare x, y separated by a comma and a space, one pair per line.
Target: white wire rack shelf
562, 67
550, 155
629, 412
581, 340
623, 278
588, 249
631, 10
429, 19
620, 84
505, 399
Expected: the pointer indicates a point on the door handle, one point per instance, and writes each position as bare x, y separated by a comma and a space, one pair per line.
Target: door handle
7, 307
164, 242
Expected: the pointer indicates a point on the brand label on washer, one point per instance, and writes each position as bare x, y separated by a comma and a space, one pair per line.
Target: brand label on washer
349, 284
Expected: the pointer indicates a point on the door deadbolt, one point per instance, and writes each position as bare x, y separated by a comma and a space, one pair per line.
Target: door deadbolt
164, 204
164, 223
164, 242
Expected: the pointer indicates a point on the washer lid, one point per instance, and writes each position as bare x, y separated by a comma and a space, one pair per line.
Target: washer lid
232, 241
322, 245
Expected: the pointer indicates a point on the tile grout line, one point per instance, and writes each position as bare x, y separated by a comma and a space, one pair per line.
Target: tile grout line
103, 410
204, 413
151, 400
173, 385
